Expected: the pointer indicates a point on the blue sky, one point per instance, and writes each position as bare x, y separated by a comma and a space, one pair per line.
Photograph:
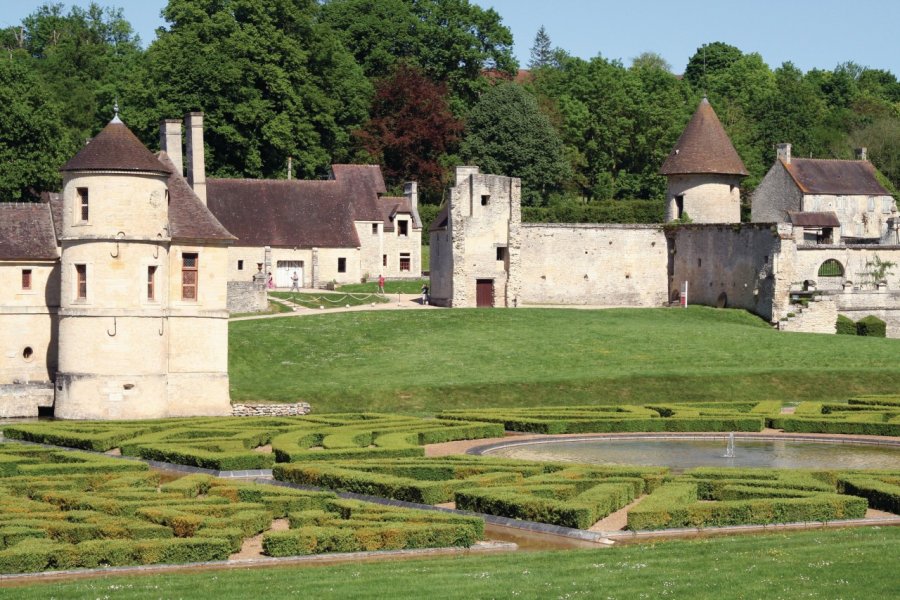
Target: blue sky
810, 33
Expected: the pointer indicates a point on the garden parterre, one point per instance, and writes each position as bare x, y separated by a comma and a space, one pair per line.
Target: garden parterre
69, 509
865, 415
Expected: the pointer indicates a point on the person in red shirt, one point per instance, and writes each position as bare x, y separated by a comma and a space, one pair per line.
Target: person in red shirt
381, 284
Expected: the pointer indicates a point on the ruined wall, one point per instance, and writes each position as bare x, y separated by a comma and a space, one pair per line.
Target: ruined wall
861, 216
860, 262
775, 195
732, 266
599, 265
819, 316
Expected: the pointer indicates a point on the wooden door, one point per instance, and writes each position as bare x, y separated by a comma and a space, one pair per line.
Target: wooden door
484, 293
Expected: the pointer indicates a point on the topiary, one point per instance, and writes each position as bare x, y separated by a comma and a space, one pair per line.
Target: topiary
871, 326
845, 326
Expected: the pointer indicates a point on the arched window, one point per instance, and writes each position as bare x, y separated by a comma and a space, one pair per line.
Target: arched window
831, 268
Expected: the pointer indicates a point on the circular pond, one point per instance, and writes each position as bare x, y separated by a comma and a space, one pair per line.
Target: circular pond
681, 454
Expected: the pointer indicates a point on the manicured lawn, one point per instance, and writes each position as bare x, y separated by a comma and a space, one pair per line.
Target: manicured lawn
407, 286
851, 563
330, 299
274, 308
425, 361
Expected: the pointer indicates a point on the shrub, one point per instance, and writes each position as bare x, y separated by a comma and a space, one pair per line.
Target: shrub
845, 326
871, 326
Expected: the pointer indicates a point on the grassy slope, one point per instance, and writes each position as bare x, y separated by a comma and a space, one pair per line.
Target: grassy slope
425, 361
792, 565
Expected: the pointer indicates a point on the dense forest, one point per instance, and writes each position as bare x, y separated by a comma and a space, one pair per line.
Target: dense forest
416, 86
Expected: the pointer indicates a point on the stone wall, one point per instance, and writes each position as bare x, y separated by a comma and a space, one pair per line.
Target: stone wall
884, 304
23, 400
775, 195
588, 264
730, 266
270, 410
819, 316
247, 297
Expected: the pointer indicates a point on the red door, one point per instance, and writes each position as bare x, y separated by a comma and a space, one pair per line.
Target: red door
484, 293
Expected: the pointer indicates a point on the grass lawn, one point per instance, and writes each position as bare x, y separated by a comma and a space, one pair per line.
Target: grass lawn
405, 286
274, 308
850, 563
330, 299
422, 362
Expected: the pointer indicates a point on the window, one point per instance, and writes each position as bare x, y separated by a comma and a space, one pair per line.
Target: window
485, 198
831, 268
83, 203
26, 279
189, 270
871, 203
501, 252
679, 207
886, 205
402, 227
374, 228
240, 265
384, 260
404, 261
151, 283
81, 282
342, 265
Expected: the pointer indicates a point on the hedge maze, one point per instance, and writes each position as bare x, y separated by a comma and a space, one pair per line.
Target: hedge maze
709, 416
67, 509
232, 444
865, 415
714, 497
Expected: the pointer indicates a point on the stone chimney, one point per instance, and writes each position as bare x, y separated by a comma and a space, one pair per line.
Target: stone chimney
862, 153
170, 142
411, 193
783, 153
196, 163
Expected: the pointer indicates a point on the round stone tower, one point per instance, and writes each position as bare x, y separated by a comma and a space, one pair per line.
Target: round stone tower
113, 335
704, 172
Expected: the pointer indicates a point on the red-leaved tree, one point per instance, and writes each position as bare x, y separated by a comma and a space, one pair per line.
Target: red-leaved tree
410, 128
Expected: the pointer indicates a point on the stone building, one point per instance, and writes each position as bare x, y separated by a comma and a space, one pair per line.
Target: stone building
340, 230
483, 255
115, 303
833, 201
704, 172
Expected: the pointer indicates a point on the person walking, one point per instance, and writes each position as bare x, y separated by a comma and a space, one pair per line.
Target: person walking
295, 282
381, 284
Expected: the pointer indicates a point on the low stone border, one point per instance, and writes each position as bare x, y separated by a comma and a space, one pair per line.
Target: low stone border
270, 410
478, 547
764, 437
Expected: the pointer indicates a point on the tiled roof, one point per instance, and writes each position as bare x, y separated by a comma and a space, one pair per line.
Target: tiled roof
835, 177
188, 217
267, 212
814, 219
391, 206
703, 147
363, 184
114, 148
26, 232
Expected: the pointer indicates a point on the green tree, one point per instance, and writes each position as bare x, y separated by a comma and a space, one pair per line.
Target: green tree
453, 41
34, 143
506, 133
650, 60
272, 81
541, 51
83, 57
709, 60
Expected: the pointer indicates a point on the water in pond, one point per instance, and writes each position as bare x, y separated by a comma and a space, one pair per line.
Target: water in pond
686, 454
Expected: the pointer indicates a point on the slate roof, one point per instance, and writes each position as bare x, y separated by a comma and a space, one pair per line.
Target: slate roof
115, 148
703, 147
26, 232
835, 177
188, 217
363, 184
278, 212
814, 219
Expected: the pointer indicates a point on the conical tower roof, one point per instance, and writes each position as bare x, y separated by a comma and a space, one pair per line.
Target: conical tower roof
115, 149
703, 147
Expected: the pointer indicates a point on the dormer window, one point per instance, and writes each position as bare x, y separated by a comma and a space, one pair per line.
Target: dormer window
374, 228
83, 205
403, 228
